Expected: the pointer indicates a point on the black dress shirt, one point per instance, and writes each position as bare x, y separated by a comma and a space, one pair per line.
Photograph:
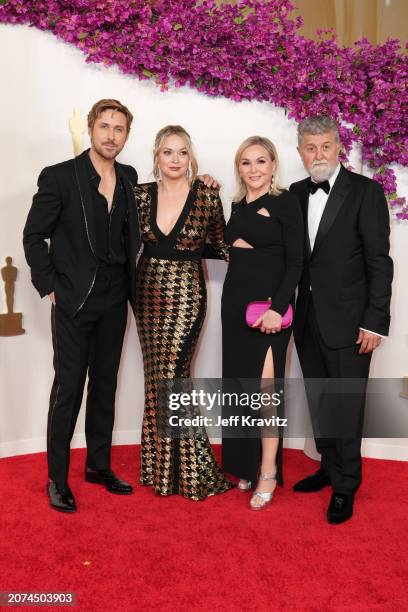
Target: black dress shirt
109, 225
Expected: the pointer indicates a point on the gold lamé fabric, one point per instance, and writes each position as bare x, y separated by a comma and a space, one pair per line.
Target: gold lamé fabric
170, 310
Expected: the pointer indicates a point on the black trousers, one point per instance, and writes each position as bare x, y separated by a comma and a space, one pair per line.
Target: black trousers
91, 342
341, 456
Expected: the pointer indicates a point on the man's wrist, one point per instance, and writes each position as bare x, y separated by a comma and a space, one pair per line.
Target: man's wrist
372, 332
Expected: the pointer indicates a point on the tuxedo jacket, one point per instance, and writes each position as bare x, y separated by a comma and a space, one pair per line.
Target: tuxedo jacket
62, 211
349, 270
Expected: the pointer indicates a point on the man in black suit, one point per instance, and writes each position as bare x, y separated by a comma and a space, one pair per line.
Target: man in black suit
86, 208
343, 304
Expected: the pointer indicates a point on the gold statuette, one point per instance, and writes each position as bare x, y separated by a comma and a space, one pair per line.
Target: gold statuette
11, 322
77, 127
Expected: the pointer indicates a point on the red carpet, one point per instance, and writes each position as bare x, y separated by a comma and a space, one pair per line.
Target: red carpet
144, 552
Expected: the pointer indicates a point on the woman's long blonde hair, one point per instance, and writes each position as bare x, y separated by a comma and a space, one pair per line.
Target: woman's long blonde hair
161, 136
267, 144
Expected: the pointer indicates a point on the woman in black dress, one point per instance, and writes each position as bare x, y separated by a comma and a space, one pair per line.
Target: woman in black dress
178, 217
265, 232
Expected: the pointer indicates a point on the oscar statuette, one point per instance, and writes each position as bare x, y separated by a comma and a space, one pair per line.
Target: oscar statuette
10, 322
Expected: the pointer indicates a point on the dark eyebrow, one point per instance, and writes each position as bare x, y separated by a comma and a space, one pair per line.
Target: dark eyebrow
117, 125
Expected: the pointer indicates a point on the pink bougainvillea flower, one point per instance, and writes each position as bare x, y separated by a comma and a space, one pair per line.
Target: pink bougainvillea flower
247, 51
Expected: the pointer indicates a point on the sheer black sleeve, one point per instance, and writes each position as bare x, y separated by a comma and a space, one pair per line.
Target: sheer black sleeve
216, 246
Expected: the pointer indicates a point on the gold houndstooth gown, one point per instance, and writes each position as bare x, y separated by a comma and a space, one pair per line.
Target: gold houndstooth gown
170, 309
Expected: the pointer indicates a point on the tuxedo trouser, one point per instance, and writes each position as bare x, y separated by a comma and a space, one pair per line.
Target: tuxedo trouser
341, 456
89, 343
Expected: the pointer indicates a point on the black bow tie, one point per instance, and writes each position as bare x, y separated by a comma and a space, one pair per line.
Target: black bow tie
313, 187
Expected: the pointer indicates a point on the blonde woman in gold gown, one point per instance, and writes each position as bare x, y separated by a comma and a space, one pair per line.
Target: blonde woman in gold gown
179, 218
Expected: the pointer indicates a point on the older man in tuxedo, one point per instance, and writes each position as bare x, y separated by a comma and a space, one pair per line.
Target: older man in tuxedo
343, 305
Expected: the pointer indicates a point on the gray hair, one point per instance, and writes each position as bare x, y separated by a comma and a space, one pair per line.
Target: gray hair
318, 124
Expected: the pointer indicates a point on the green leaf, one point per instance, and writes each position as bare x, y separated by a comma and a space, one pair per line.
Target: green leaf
82, 35
3, 2
274, 69
199, 82
245, 12
177, 26
118, 49
357, 130
148, 73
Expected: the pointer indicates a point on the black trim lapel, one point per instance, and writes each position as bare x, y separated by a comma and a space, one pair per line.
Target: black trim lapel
133, 217
304, 201
86, 198
335, 201
127, 185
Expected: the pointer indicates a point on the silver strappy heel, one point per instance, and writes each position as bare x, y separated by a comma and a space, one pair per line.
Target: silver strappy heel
244, 485
260, 501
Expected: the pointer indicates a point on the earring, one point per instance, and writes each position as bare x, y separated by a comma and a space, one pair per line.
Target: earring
272, 184
157, 174
189, 171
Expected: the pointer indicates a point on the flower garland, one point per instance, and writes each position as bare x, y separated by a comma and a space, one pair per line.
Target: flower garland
246, 51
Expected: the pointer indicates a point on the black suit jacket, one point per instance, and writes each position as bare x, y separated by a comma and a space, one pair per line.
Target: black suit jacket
350, 270
62, 211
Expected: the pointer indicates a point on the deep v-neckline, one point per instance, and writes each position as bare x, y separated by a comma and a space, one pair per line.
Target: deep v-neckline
180, 219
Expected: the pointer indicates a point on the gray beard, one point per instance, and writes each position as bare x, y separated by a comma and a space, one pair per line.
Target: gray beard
322, 172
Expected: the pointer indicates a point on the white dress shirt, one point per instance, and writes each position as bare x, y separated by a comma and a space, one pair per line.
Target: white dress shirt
317, 204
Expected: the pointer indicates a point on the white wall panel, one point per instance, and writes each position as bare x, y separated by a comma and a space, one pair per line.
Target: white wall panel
42, 80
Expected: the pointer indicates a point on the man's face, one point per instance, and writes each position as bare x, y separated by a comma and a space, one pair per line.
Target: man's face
320, 155
109, 134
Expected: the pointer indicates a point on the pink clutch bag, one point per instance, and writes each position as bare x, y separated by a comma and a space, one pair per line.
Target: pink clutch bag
255, 309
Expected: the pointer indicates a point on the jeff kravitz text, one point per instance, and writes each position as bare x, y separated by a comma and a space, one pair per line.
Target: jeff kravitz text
232, 421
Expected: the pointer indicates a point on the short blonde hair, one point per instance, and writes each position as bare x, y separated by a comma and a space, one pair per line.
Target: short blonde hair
109, 104
267, 144
174, 130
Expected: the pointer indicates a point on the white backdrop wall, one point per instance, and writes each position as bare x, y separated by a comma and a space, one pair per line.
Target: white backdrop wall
42, 81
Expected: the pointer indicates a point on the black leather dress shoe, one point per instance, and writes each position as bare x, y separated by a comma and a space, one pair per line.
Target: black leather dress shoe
107, 478
61, 497
340, 508
313, 483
